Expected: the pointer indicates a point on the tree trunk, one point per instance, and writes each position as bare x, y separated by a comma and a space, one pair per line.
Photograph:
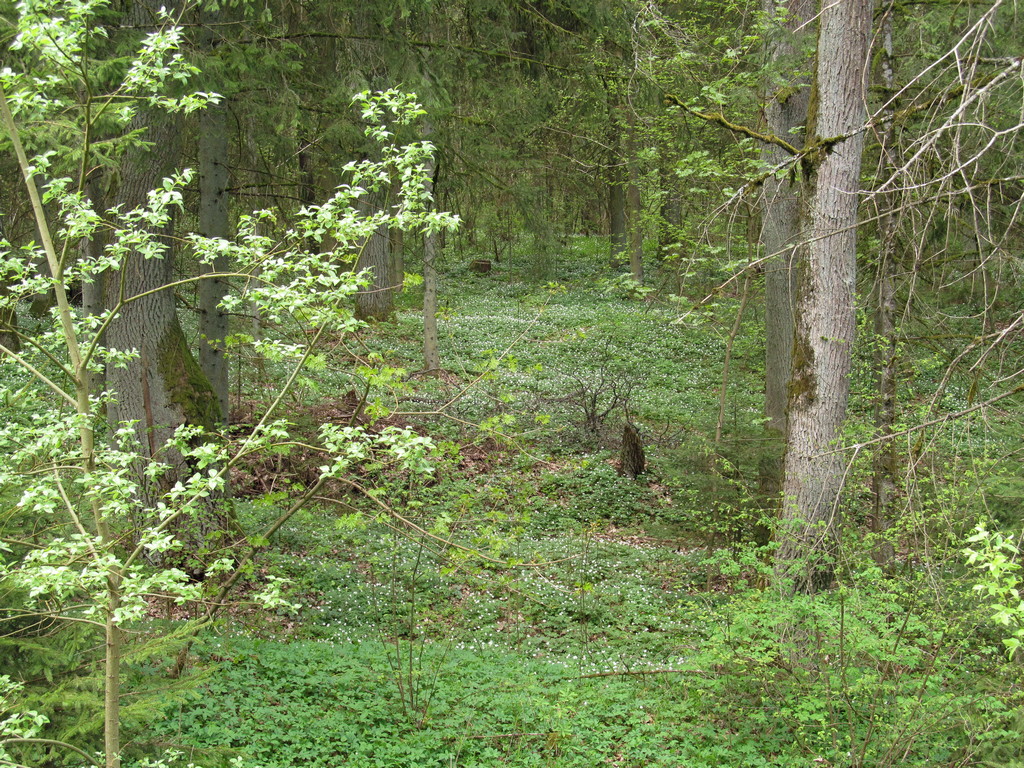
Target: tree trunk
636, 232
8, 324
632, 461
431, 353
617, 215
883, 477
113, 643
214, 222
671, 214
785, 112
163, 387
634, 205
825, 309
41, 303
397, 247
377, 300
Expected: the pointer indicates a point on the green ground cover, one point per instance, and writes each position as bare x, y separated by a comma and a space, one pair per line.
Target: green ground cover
547, 611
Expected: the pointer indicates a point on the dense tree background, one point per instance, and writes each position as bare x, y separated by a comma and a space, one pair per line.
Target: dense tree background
711, 400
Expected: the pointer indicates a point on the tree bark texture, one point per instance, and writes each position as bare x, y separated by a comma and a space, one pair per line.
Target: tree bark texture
377, 300
617, 216
213, 222
883, 477
785, 112
397, 247
825, 309
163, 387
634, 204
632, 460
431, 353
113, 643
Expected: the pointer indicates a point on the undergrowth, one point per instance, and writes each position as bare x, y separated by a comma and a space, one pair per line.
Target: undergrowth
547, 611
532, 606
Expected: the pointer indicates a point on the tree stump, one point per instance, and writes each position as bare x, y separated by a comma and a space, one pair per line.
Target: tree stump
480, 266
632, 460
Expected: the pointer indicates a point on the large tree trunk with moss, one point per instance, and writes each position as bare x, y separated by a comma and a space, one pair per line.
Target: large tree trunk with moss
825, 308
785, 113
162, 387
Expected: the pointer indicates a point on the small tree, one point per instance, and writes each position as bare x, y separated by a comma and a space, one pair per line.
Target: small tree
100, 561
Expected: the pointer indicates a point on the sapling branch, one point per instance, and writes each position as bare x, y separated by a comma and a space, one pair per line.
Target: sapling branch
56, 270
410, 525
932, 422
39, 375
30, 341
69, 505
62, 614
267, 532
123, 301
83, 406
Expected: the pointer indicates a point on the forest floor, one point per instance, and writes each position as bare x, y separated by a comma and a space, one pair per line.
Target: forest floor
529, 605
